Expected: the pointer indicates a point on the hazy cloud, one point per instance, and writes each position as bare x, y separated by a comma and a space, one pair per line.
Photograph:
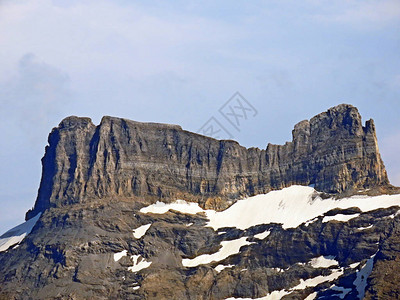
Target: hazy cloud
389, 147
362, 14
36, 95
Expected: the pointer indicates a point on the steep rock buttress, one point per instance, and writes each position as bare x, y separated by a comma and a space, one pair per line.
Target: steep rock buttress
125, 159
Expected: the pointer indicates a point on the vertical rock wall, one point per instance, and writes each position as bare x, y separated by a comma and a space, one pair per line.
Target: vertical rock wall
122, 158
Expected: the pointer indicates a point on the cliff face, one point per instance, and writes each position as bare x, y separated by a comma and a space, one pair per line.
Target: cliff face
100, 236
126, 159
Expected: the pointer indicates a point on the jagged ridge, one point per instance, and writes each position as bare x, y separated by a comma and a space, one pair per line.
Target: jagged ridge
125, 159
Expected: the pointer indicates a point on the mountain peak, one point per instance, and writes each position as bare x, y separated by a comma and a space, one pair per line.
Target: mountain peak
124, 159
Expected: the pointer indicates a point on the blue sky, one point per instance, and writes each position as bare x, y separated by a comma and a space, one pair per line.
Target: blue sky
179, 62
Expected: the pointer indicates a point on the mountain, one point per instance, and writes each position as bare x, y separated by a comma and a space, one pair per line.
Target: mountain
130, 210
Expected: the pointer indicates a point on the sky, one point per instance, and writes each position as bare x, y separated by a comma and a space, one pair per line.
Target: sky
180, 62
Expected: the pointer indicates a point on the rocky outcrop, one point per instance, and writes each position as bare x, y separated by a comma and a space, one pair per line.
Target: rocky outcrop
98, 183
122, 159
70, 254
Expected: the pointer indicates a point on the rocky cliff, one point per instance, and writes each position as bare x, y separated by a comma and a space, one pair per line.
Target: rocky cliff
106, 223
125, 159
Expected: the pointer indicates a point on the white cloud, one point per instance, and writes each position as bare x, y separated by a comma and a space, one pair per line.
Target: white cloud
32, 101
362, 14
389, 148
93, 35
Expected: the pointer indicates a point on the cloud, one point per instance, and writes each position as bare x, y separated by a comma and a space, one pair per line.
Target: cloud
362, 14
90, 36
34, 96
389, 148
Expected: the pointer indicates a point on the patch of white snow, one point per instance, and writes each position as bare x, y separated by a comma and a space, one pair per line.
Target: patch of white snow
219, 268
343, 291
139, 263
262, 235
355, 265
362, 275
290, 206
311, 282
15, 235
179, 205
228, 248
363, 228
323, 262
339, 217
312, 296
141, 231
119, 255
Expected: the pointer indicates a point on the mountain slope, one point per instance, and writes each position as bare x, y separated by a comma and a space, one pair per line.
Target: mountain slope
128, 210
127, 159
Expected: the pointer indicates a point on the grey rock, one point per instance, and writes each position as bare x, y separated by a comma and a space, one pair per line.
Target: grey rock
123, 159
96, 179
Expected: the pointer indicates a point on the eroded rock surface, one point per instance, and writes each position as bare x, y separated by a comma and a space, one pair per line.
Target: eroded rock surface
93, 239
127, 159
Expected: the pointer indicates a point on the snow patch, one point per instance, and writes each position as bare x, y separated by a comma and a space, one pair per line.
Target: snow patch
219, 268
228, 248
311, 282
275, 295
339, 217
311, 296
310, 221
362, 275
279, 270
262, 235
342, 291
139, 263
141, 231
355, 265
290, 206
394, 215
119, 255
323, 262
179, 205
15, 235
363, 228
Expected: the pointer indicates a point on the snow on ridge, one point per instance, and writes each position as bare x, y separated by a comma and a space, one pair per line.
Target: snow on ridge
355, 265
340, 218
342, 291
363, 228
119, 255
219, 268
290, 206
362, 275
228, 248
262, 235
139, 263
141, 231
15, 235
178, 205
311, 282
323, 262
312, 296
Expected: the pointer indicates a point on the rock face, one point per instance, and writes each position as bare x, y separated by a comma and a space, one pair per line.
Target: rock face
97, 238
127, 159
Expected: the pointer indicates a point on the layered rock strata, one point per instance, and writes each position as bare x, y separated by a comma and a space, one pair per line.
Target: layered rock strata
125, 159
